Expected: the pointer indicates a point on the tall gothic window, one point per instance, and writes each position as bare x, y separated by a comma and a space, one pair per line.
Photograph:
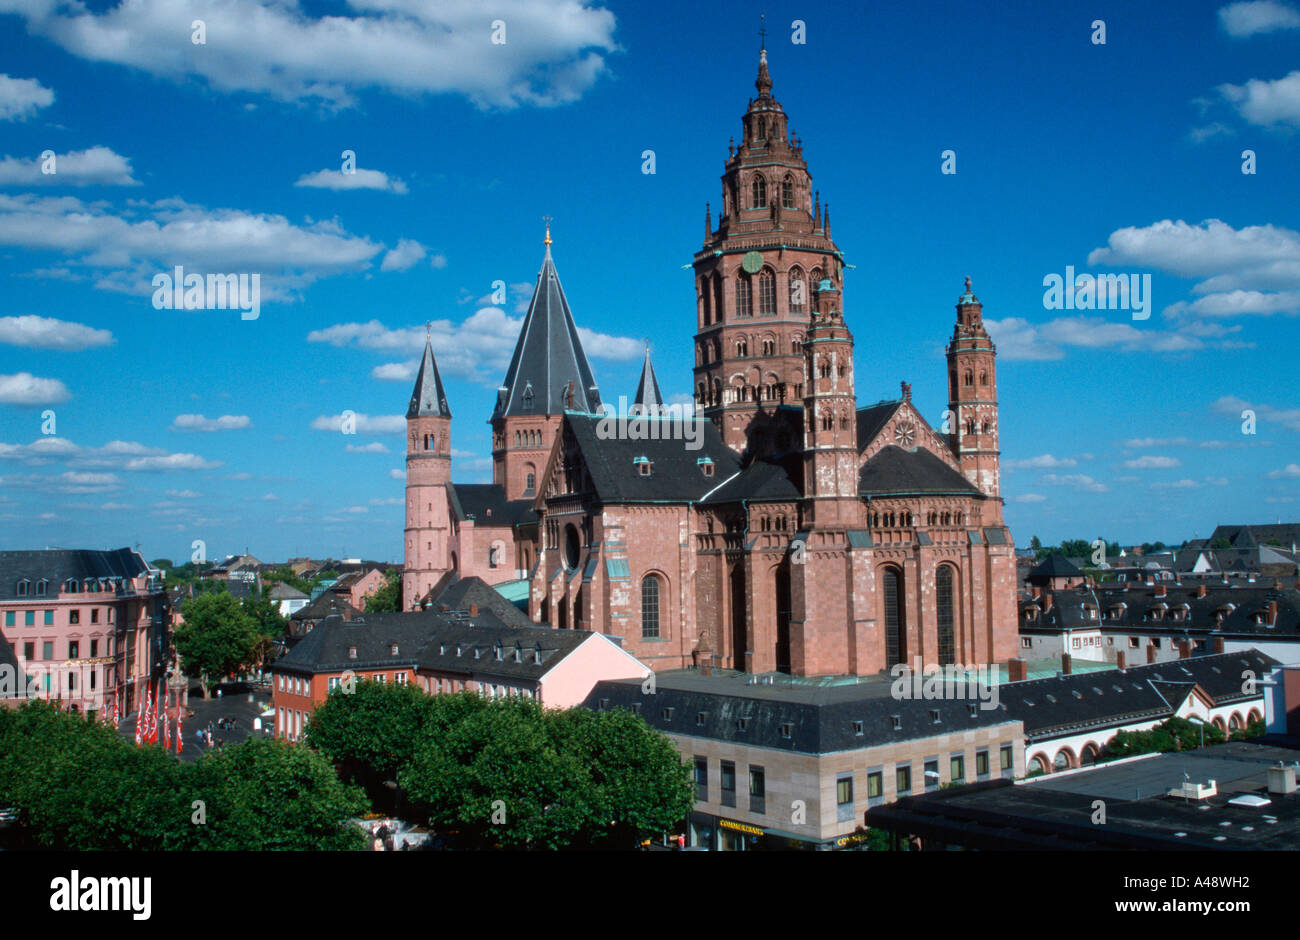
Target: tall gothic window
798, 291
717, 298
650, 607
759, 187
895, 619
744, 296
767, 293
787, 193
944, 609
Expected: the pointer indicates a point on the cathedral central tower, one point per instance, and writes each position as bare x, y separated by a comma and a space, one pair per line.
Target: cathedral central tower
755, 277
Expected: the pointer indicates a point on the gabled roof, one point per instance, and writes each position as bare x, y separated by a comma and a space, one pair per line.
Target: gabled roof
874, 417
761, 481
285, 592
894, 470
474, 591
472, 650
676, 474
428, 399
647, 389
547, 357
327, 647
324, 605
487, 503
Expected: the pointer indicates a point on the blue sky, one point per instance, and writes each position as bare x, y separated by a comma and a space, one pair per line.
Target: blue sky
224, 157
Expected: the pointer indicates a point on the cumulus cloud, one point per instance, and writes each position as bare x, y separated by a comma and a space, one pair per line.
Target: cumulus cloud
554, 50
406, 255
1031, 498
1019, 339
372, 448
1077, 481
358, 179
20, 98
364, 423
115, 455
98, 166
171, 462
36, 332
1043, 462
1152, 462
1252, 17
1290, 472
200, 423
125, 249
1232, 406
23, 388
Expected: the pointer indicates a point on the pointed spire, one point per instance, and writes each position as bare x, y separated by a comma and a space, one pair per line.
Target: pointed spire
764, 81
827, 218
708, 223
547, 240
817, 213
648, 396
428, 399
548, 364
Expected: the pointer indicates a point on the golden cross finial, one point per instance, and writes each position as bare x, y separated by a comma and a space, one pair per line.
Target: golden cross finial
428, 329
547, 220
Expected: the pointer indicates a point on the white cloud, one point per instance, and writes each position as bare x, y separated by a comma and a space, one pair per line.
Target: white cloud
438, 261
36, 332
552, 54
1076, 481
1290, 472
98, 166
1251, 17
1232, 407
397, 474
20, 98
406, 255
359, 179
1151, 462
23, 388
372, 448
1176, 485
1031, 498
125, 250
182, 494
364, 423
201, 423
171, 462
1043, 462
1018, 339
396, 371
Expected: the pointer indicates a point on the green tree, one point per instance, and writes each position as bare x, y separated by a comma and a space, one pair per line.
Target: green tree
1173, 734
218, 637
1035, 543
371, 731
265, 794
388, 599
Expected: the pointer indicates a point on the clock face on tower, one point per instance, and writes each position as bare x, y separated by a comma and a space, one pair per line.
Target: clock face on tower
905, 433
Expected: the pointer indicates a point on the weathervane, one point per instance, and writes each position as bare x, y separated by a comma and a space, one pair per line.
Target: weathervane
762, 30
547, 219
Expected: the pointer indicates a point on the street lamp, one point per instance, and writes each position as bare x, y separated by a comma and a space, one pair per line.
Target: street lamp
1200, 722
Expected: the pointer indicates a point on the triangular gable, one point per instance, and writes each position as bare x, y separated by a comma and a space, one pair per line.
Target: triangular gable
893, 423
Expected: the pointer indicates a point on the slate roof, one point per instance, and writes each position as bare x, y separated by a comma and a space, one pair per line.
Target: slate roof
487, 503
893, 470
460, 595
647, 389
1249, 536
808, 719
323, 606
428, 399
325, 648
285, 592
547, 357
1130, 608
872, 418
761, 481
675, 475
58, 565
1055, 565
1081, 701
482, 650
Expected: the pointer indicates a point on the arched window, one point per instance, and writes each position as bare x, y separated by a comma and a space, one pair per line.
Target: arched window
767, 293
759, 188
970, 378
828, 422
530, 480
798, 291
815, 278
787, 193
943, 604
704, 301
984, 378
824, 369
717, 298
895, 619
23, 587
769, 347
742, 348
650, 607
744, 296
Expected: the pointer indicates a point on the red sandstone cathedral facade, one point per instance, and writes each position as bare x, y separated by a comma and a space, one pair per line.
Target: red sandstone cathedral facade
790, 529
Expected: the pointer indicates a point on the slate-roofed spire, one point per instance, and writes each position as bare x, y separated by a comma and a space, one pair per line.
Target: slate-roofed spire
648, 396
428, 399
548, 356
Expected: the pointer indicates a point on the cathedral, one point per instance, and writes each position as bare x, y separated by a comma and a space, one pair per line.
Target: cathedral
793, 530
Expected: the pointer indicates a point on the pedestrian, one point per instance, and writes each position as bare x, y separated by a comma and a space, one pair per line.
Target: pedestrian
379, 844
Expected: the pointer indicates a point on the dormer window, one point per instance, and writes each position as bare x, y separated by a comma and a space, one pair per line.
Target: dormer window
24, 586
352, 652
706, 465
787, 729
393, 649
42, 587
642, 465
528, 396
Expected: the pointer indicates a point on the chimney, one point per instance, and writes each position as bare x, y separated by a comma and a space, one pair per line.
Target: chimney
1281, 779
1218, 644
1066, 664
1161, 590
1017, 670
1151, 653
1121, 660
1272, 613
1184, 649
473, 610
1047, 602
1201, 590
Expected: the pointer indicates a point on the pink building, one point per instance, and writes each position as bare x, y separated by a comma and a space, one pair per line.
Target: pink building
83, 624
